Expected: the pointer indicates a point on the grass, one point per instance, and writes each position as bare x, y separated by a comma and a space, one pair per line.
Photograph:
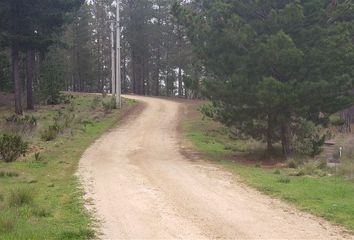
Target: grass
327, 196
40, 196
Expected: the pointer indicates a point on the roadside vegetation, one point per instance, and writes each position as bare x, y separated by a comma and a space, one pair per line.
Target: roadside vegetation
307, 183
40, 198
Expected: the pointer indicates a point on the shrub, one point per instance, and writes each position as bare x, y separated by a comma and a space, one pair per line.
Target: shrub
12, 147
300, 173
336, 120
346, 168
50, 133
309, 138
31, 120
95, 102
63, 120
109, 105
20, 196
292, 163
310, 167
21, 124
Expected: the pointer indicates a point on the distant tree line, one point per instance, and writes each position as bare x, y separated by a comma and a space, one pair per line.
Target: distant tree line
47, 46
27, 29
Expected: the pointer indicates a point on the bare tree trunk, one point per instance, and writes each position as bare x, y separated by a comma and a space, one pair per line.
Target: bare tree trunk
124, 72
16, 79
30, 58
180, 88
146, 77
157, 74
269, 136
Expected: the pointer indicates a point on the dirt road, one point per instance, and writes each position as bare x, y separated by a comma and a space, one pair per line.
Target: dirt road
142, 187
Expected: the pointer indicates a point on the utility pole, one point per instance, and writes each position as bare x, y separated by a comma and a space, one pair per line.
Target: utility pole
118, 70
113, 61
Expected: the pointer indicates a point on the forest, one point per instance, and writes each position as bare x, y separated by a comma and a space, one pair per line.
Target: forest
49, 47
226, 102
274, 70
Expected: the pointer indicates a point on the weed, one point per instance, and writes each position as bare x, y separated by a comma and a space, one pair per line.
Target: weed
38, 157
7, 222
95, 102
20, 196
277, 171
77, 234
285, 180
8, 174
41, 211
85, 124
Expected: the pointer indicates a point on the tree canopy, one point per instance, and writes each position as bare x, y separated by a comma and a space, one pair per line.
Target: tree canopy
272, 63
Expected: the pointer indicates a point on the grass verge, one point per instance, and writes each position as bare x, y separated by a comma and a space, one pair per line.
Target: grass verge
327, 196
40, 197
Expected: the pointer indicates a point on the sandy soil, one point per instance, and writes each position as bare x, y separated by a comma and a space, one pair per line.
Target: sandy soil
143, 187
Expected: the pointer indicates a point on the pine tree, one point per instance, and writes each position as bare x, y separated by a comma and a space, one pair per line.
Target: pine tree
271, 63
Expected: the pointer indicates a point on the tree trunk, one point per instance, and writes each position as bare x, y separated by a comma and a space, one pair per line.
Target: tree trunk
286, 139
16, 79
269, 136
157, 74
138, 78
180, 88
124, 83
30, 58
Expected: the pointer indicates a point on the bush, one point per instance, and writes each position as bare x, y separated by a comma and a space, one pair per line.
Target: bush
12, 147
109, 105
292, 163
95, 102
309, 138
50, 133
346, 168
20, 196
30, 120
336, 120
21, 124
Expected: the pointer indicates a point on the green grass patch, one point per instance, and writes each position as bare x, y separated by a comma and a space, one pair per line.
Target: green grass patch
40, 197
324, 195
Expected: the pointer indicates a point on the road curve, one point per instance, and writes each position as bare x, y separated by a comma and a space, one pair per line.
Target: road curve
142, 187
